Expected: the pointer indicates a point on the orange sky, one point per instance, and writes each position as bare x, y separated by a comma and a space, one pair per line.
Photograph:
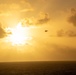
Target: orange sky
36, 16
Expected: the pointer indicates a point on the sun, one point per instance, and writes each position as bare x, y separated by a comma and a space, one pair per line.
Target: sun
19, 35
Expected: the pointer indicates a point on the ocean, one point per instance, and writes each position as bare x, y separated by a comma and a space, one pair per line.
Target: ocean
38, 68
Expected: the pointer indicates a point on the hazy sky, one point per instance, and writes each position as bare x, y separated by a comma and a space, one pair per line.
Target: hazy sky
56, 16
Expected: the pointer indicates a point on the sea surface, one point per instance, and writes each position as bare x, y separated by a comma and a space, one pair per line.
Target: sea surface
38, 68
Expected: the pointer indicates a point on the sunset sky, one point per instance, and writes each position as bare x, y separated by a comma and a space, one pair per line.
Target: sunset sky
37, 30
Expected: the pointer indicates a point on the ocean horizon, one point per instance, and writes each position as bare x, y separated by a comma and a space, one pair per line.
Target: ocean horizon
38, 68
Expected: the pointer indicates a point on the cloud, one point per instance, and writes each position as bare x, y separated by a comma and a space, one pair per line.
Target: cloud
54, 51
27, 21
71, 33
44, 19
66, 51
72, 18
68, 33
5, 14
73, 11
60, 33
59, 52
13, 7
2, 32
26, 10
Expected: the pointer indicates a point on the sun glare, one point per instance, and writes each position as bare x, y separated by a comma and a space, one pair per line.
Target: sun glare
19, 35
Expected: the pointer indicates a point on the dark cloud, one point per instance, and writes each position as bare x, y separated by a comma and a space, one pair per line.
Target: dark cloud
53, 51
68, 33
60, 33
2, 32
66, 52
60, 52
73, 10
71, 33
72, 18
43, 20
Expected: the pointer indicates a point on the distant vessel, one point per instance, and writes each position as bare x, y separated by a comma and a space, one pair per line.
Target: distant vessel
46, 30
